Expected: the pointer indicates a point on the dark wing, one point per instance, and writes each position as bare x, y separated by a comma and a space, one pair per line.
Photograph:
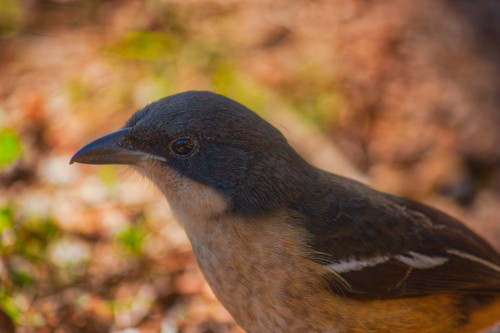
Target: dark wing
379, 246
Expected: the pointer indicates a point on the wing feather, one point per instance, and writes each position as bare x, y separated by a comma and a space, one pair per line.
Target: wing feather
388, 247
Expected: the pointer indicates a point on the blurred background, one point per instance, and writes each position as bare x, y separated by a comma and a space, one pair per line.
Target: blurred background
403, 95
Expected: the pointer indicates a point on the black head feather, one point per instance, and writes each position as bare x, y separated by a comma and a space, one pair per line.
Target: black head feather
237, 153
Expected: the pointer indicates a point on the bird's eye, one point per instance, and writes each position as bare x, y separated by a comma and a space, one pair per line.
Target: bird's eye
183, 147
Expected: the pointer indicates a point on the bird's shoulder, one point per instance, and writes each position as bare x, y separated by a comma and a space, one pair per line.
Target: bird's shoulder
379, 246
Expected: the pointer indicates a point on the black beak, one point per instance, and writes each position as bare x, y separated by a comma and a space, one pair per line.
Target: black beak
108, 150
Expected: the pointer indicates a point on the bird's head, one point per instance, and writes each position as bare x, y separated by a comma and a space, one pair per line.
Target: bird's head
201, 148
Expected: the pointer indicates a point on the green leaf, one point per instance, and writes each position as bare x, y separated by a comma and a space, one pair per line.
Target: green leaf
9, 307
108, 175
10, 147
132, 239
227, 81
144, 45
33, 238
10, 17
22, 279
6, 218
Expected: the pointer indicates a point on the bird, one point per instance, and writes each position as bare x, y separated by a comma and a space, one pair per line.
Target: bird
288, 247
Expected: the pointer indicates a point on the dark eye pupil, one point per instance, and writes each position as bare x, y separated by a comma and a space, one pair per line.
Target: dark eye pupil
183, 146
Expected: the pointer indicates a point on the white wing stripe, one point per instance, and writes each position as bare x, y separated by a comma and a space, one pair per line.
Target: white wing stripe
412, 259
471, 257
421, 261
356, 265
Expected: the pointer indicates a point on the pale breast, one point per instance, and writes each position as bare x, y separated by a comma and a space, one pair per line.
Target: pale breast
254, 267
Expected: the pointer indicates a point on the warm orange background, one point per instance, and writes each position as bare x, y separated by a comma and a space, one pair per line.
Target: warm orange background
402, 95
